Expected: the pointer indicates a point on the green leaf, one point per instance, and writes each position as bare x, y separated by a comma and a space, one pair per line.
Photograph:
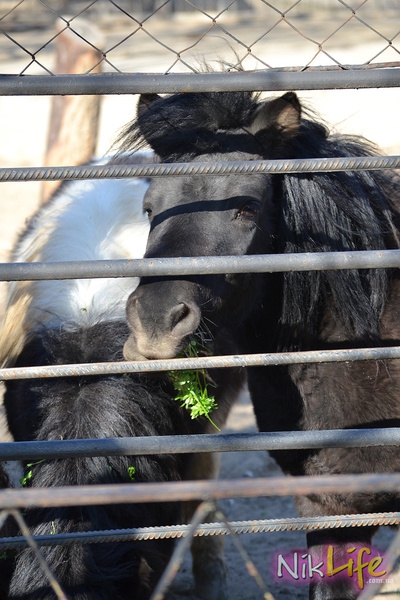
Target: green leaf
191, 388
132, 473
28, 476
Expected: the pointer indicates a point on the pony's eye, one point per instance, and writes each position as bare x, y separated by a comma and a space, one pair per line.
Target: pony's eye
248, 211
147, 210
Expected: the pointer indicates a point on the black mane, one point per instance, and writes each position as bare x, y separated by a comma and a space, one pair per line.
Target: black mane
342, 211
183, 126
336, 212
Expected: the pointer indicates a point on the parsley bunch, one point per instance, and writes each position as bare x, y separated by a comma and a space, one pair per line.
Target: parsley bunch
191, 388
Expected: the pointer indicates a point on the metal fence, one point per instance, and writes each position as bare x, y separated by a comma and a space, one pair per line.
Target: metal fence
281, 45
253, 31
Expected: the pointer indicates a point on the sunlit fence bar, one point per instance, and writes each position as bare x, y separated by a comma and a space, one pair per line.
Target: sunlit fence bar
200, 265
259, 80
201, 362
181, 169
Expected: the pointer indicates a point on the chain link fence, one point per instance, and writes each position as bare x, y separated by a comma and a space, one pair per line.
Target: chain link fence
136, 46
254, 33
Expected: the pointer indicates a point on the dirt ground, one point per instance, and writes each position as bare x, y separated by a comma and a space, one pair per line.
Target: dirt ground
373, 113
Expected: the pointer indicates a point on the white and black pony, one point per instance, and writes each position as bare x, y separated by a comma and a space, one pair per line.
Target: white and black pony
75, 321
263, 214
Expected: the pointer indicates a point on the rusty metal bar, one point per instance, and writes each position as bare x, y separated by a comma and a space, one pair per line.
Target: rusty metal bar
197, 490
207, 529
250, 565
201, 362
120, 171
179, 444
180, 550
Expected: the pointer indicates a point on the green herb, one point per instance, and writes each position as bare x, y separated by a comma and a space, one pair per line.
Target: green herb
191, 388
132, 473
24, 481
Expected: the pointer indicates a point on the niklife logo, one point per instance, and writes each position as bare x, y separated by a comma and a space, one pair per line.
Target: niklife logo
361, 564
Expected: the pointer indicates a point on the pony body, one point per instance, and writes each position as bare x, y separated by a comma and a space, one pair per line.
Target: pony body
261, 214
75, 321
80, 223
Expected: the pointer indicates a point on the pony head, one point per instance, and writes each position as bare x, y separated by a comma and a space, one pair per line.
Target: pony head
244, 214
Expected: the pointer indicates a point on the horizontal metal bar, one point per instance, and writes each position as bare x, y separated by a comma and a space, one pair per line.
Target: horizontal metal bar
242, 167
207, 529
201, 362
200, 265
221, 442
177, 491
137, 83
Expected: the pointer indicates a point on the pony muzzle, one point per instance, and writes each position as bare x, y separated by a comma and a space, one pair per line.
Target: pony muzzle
159, 332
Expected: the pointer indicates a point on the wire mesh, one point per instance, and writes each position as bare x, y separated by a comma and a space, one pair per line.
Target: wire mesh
315, 30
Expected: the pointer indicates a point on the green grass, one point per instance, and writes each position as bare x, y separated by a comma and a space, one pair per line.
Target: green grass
28, 475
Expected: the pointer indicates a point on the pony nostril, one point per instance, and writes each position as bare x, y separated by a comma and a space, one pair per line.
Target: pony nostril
178, 314
184, 318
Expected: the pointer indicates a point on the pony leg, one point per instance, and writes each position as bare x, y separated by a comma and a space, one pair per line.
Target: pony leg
339, 551
208, 562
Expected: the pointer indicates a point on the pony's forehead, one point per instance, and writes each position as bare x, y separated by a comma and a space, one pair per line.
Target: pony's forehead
172, 190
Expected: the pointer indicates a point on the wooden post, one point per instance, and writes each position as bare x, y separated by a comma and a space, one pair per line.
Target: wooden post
74, 120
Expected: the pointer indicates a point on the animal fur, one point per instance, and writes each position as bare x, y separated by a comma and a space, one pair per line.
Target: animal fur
258, 213
74, 321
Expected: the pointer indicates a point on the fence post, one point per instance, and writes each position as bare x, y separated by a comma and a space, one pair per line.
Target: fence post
73, 124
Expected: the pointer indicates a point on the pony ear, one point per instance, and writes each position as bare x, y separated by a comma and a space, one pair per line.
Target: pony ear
281, 114
145, 101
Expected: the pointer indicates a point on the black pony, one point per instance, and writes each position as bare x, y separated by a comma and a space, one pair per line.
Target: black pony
6, 530
263, 214
75, 321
